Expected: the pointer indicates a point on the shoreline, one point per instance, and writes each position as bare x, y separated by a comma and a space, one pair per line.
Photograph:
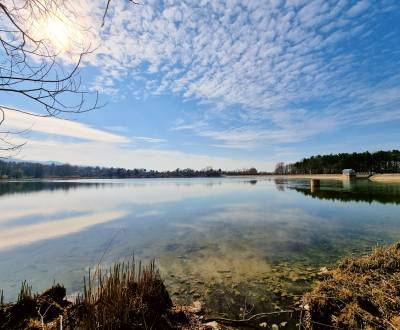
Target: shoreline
386, 178
352, 294
335, 177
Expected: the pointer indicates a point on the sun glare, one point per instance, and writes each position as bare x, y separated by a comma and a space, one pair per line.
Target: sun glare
60, 33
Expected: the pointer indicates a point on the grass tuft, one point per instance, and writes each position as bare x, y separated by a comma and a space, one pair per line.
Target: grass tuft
25, 292
360, 293
126, 296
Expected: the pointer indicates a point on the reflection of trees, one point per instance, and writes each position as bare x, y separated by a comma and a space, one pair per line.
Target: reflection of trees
280, 184
34, 186
385, 194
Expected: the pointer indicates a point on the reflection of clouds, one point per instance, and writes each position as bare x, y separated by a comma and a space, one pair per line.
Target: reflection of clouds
254, 212
34, 221
131, 192
11, 214
150, 213
26, 234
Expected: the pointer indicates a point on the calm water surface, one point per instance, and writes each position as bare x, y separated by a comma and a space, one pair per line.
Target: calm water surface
230, 241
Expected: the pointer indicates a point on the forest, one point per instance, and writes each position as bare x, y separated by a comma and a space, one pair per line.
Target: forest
365, 162
32, 170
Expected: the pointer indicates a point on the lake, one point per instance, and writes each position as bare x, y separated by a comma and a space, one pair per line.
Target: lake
233, 242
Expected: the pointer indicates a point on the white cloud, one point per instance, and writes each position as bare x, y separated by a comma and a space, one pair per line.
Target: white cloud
358, 8
107, 154
286, 67
56, 126
150, 139
267, 57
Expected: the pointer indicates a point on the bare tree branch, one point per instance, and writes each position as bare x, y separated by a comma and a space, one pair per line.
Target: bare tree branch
33, 71
108, 6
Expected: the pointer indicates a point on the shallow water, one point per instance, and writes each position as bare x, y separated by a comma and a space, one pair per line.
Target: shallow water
239, 244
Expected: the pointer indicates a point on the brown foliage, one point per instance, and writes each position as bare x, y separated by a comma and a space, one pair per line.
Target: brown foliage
361, 293
128, 296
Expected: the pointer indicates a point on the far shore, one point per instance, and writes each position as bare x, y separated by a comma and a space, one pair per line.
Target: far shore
392, 178
387, 178
338, 177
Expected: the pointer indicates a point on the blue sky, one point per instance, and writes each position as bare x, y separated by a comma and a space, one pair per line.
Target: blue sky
230, 84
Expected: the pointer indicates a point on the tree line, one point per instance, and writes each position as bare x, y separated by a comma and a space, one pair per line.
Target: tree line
31, 170
367, 162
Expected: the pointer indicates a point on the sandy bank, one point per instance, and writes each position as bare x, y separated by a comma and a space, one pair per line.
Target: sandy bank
395, 178
293, 176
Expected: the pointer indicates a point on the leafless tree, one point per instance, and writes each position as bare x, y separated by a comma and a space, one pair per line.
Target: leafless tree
280, 168
32, 71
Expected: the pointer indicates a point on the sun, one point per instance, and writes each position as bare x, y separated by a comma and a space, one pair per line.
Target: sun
60, 33
57, 32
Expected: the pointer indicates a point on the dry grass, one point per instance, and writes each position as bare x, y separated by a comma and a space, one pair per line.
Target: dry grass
126, 297
25, 293
361, 293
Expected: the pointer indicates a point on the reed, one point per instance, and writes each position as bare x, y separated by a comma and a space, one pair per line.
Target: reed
25, 292
126, 295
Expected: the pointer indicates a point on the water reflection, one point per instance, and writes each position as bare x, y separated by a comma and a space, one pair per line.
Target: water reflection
18, 187
226, 240
350, 191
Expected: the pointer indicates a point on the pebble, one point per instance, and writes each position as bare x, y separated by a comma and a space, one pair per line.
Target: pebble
223, 271
213, 325
277, 308
323, 271
196, 307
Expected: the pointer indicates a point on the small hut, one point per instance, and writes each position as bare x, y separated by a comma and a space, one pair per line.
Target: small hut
349, 173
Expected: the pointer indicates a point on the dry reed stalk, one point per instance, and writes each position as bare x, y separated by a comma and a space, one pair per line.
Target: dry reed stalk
124, 295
